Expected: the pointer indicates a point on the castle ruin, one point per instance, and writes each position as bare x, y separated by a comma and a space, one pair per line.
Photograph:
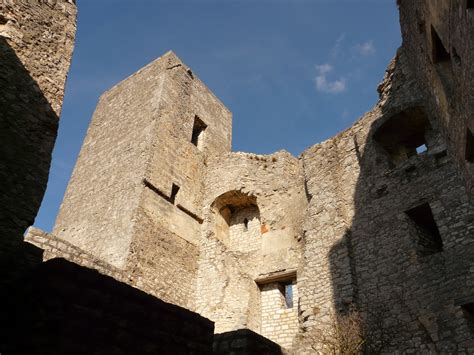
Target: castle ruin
377, 219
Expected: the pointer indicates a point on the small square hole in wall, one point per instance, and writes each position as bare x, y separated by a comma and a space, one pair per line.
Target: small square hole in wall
469, 146
427, 233
198, 132
469, 308
421, 149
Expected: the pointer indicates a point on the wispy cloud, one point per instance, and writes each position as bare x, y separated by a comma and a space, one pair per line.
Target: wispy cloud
365, 49
336, 48
325, 85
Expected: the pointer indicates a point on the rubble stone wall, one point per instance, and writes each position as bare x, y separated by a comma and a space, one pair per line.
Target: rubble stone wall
448, 84
227, 291
36, 44
377, 220
360, 247
279, 322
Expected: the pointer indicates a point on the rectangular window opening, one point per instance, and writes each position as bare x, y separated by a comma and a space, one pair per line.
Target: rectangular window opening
428, 236
469, 146
439, 52
469, 308
289, 295
469, 4
421, 149
198, 131
174, 192
286, 290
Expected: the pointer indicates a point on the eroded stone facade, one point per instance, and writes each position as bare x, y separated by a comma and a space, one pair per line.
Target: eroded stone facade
36, 44
378, 218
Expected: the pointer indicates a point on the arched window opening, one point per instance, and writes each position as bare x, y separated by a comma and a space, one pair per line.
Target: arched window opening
237, 221
404, 135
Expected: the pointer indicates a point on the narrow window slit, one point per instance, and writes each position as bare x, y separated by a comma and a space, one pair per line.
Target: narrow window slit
469, 146
439, 54
174, 192
289, 295
198, 132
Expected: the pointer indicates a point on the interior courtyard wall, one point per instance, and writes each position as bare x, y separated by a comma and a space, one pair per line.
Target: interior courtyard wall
36, 45
276, 183
359, 250
448, 84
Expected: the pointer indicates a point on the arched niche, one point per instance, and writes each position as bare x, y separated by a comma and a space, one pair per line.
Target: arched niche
405, 134
237, 221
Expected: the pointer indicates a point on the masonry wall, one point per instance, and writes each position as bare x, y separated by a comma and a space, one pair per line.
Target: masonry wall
139, 177
183, 219
108, 177
62, 308
227, 292
449, 85
359, 248
164, 252
279, 322
36, 44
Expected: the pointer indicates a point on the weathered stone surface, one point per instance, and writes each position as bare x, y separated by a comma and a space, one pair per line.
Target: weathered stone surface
62, 308
36, 43
243, 342
378, 219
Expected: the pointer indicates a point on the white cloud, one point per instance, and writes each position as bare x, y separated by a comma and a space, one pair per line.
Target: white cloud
325, 85
365, 49
323, 69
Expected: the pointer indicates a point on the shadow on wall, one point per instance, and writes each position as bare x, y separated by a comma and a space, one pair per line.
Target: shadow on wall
63, 308
244, 342
28, 128
405, 258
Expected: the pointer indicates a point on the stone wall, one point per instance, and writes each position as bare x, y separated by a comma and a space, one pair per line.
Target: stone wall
243, 342
279, 319
36, 44
361, 247
268, 191
63, 308
139, 177
377, 220
244, 230
448, 81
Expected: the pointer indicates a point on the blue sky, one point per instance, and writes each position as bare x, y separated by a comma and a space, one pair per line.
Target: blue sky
293, 72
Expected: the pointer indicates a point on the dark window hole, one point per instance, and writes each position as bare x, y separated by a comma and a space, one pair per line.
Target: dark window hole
427, 232
198, 131
174, 192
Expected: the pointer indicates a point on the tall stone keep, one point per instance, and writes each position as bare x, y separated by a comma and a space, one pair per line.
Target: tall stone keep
137, 185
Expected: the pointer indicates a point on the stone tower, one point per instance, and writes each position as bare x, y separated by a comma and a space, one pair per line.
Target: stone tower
135, 197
